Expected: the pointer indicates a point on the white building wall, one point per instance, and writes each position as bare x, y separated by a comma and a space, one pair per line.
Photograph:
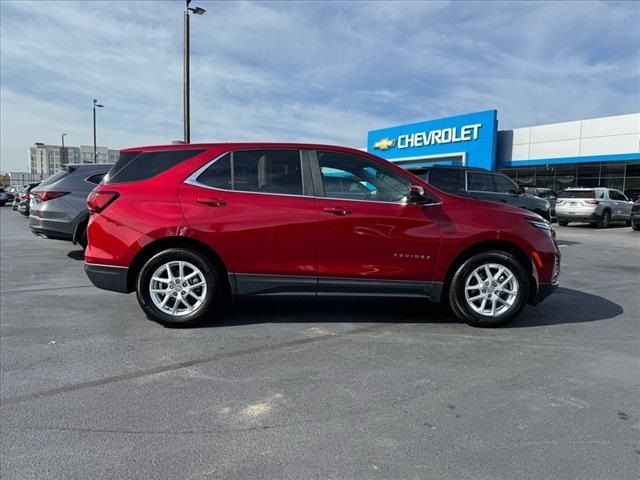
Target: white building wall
598, 136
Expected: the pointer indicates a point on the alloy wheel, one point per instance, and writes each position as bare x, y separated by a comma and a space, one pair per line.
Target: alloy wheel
491, 289
178, 288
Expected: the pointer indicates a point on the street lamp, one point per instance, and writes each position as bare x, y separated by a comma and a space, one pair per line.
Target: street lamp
62, 150
187, 113
95, 148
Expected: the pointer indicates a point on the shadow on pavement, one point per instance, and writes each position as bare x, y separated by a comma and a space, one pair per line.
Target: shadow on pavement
564, 307
76, 254
568, 306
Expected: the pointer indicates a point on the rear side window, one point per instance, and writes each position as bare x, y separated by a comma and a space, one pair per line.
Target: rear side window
218, 175
578, 194
266, 171
132, 166
480, 182
448, 180
96, 178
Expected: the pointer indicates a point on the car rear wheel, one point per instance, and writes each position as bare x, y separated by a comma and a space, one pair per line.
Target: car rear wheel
604, 220
489, 289
563, 223
635, 226
178, 287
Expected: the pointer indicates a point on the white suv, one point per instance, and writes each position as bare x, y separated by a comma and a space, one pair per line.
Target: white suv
598, 206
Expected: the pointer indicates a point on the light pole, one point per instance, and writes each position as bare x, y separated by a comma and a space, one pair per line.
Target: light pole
62, 150
186, 100
95, 148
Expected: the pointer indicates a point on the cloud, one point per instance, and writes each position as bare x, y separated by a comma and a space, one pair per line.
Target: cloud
325, 72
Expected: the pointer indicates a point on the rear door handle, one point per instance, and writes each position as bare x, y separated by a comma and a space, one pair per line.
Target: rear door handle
337, 210
212, 201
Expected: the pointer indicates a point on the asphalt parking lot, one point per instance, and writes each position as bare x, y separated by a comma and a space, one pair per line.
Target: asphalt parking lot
299, 389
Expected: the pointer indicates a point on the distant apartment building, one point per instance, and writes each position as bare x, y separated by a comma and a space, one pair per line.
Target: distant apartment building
47, 159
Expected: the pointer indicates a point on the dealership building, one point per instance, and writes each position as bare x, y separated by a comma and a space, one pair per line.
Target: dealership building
583, 153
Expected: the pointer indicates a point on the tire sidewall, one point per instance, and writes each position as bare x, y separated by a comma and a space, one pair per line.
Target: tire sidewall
210, 274
457, 293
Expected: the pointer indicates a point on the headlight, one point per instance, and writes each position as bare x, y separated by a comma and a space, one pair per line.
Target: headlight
542, 225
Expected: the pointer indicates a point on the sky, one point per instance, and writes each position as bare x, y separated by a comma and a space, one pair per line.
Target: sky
310, 71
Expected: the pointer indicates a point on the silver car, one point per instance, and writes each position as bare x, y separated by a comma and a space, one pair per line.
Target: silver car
59, 204
598, 206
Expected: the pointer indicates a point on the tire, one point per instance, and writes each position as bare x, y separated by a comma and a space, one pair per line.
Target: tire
210, 293
468, 275
82, 238
563, 223
605, 220
635, 226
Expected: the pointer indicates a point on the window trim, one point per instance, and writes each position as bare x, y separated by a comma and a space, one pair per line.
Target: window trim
306, 191
312, 186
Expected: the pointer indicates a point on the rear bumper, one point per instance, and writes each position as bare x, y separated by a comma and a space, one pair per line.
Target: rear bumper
577, 217
108, 277
46, 232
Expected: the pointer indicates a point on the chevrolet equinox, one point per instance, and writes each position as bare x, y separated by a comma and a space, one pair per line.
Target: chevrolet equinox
187, 226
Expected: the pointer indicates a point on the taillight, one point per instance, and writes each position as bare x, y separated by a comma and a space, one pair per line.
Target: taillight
44, 196
98, 201
592, 202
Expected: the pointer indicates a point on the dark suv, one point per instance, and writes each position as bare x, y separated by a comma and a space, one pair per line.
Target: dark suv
482, 184
186, 226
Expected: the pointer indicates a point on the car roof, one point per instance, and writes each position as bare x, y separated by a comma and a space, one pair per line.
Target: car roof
452, 167
241, 145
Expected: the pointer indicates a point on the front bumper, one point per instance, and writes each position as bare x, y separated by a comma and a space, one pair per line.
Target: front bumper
108, 277
544, 290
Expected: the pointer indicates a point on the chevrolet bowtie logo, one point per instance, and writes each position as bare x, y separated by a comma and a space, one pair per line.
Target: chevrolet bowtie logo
384, 144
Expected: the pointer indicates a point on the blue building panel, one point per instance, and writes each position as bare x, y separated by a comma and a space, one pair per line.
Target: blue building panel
472, 137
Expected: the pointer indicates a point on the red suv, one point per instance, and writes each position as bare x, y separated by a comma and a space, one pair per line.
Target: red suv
187, 226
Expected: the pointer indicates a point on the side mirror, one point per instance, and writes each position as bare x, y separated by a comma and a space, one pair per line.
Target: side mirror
417, 196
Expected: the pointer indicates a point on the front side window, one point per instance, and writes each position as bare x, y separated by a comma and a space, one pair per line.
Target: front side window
265, 171
480, 182
356, 178
504, 184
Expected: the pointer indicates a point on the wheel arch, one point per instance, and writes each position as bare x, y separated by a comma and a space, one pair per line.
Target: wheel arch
496, 245
165, 243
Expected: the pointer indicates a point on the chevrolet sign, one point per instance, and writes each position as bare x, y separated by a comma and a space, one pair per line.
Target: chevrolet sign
384, 144
465, 133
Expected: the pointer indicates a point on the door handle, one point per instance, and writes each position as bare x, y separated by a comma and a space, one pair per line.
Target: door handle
337, 211
212, 201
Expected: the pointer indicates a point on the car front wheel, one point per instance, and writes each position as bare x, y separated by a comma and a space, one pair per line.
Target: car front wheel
489, 289
178, 287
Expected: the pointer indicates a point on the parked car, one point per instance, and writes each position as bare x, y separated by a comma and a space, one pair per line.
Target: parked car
4, 197
16, 198
598, 206
482, 184
24, 199
546, 194
59, 203
632, 194
186, 226
635, 215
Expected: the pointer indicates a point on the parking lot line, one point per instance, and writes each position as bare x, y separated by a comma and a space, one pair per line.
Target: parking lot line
189, 363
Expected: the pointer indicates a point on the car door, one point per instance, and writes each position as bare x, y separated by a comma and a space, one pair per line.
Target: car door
256, 209
371, 241
621, 207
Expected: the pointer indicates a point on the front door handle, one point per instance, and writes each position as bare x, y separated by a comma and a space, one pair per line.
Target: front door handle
337, 211
212, 201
